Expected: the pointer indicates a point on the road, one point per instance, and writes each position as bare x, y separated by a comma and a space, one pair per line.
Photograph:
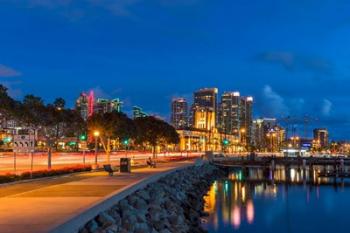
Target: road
60, 160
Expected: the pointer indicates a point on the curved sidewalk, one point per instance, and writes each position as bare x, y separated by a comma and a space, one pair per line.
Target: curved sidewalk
45, 205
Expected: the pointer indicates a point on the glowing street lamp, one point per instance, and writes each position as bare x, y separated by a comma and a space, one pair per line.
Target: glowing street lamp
96, 133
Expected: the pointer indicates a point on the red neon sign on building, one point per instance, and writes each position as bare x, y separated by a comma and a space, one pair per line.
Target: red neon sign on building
91, 102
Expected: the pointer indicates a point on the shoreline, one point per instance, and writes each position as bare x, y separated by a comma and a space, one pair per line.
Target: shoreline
174, 203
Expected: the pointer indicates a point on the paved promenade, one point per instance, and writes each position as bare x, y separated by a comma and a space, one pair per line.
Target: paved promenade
41, 206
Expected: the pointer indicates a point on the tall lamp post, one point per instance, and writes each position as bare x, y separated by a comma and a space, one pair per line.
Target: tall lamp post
96, 135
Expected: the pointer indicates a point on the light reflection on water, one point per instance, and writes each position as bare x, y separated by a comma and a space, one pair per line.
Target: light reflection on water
287, 200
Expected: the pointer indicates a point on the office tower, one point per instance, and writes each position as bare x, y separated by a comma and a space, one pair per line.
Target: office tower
236, 116
266, 134
87, 105
229, 113
246, 118
105, 105
179, 113
82, 105
138, 112
321, 136
205, 100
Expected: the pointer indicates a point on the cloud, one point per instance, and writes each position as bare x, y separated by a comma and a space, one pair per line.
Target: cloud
274, 104
6, 72
326, 107
294, 62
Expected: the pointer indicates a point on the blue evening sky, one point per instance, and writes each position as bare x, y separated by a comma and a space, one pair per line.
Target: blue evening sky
293, 56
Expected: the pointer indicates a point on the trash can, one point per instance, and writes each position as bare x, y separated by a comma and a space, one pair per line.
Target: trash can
125, 165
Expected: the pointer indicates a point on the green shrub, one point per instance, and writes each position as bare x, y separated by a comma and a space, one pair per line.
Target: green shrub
7, 178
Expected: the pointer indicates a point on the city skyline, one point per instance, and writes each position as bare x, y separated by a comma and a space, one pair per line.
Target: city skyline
174, 116
294, 125
298, 66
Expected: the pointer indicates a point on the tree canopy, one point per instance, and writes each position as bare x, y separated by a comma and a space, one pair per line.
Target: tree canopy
54, 121
154, 131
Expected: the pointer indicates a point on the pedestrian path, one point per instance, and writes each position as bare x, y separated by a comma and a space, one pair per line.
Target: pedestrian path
41, 206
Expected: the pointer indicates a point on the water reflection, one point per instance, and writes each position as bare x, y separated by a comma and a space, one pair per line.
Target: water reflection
268, 200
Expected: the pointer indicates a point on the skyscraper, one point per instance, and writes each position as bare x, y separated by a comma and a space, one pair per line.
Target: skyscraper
246, 118
138, 112
236, 115
179, 113
229, 113
105, 105
321, 136
87, 105
205, 100
82, 105
265, 131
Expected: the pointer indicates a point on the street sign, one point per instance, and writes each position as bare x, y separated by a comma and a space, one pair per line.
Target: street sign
23, 143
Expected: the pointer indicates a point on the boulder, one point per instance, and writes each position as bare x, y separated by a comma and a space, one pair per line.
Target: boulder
92, 226
105, 220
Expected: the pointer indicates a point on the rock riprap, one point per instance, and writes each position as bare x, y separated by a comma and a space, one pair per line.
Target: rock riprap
172, 204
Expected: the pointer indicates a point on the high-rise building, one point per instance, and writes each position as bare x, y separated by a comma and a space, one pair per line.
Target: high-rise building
179, 113
205, 100
321, 136
87, 105
105, 105
82, 105
138, 112
236, 115
229, 113
246, 118
267, 134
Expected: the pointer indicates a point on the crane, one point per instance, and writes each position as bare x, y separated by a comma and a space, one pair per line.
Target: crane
291, 123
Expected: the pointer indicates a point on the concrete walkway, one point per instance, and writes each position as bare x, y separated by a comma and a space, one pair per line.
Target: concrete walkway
42, 206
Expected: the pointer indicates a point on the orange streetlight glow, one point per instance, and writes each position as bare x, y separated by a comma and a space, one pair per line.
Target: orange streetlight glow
96, 133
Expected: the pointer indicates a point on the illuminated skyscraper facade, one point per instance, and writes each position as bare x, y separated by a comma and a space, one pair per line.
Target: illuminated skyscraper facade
204, 100
179, 113
236, 115
105, 105
321, 136
87, 105
229, 113
138, 112
82, 105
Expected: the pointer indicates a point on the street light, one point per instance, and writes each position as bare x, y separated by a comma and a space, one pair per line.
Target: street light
96, 135
126, 144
